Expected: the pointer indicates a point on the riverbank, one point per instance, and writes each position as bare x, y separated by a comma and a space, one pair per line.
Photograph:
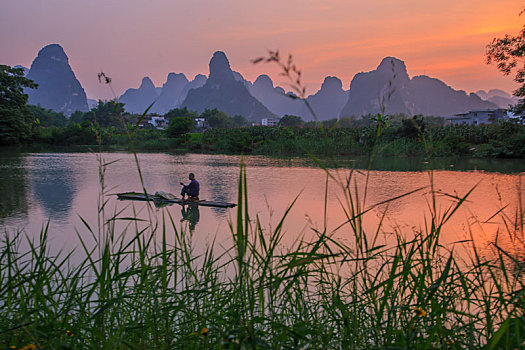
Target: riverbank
500, 140
381, 163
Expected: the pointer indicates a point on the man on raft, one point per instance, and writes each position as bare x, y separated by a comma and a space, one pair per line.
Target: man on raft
192, 190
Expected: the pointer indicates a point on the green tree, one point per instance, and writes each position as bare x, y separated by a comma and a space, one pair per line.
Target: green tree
434, 121
217, 119
180, 112
509, 55
291, 120
105, 114
77, 117
180, 126
240, 121
412, 127
363, 121
48, 117
16, 120
346, 122
327, 124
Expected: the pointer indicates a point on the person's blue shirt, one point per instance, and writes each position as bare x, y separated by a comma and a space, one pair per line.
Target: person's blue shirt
192, 189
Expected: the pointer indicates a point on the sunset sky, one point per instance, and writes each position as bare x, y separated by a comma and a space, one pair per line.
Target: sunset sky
130, 39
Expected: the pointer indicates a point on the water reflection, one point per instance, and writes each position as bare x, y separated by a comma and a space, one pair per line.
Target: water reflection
221, 188
190, 213
13, 185
66, 187
504, 166
53, 183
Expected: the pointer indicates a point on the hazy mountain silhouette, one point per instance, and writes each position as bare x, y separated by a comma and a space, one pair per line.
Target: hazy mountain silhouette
494, 92
370, 91
238, 77
389, 85
499, 97
137, 100
92, 103
328, 102
197, 82
58, 88
223, 92
434, 97
274, 98
167, 97
54, 185
503, 102
170, 95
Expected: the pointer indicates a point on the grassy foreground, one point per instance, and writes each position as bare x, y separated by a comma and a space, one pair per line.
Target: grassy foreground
141, 293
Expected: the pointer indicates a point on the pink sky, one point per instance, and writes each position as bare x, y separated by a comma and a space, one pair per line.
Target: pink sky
130, 39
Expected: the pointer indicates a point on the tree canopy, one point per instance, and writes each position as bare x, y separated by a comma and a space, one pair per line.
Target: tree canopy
509, 55
240, 121
105, 114
180, 112
291, 120
48, 117
217, 119
16, 120
180, 126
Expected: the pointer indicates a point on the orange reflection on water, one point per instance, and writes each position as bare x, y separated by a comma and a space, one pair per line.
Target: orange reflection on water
475, 209
64, 187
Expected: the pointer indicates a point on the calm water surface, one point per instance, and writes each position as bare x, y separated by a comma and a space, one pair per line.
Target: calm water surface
60, 188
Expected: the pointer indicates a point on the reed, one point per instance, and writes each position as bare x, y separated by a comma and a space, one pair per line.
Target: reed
142, 292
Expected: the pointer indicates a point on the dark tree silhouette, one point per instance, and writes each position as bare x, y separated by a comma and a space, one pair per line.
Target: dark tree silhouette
16, 120
509, 55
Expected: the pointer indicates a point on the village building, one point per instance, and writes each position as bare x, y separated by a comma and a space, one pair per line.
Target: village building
478, 117
149, 121
269, 122
158, 122
201, 123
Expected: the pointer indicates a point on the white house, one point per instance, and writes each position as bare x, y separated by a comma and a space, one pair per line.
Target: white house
269, 122
485, 116
158, 122
201, 123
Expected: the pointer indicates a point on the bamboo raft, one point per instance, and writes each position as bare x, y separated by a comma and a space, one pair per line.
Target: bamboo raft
136, 196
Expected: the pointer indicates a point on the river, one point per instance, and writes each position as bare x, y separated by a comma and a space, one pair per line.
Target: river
63, 190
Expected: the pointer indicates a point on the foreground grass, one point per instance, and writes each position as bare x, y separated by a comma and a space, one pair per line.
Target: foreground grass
142, 293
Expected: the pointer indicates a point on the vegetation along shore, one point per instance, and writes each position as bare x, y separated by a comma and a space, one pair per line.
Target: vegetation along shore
402, 136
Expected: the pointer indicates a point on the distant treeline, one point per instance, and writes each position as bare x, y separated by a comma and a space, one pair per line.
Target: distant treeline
105, 126
500, 140
109, 126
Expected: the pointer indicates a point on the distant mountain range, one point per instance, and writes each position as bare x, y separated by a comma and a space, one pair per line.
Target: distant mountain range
498, 97
224, 92
58, 88
389, 89
386, 89
137, 100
